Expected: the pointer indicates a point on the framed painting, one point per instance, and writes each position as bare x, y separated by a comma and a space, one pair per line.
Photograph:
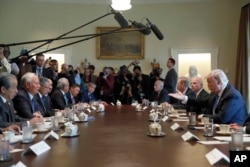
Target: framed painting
119, 45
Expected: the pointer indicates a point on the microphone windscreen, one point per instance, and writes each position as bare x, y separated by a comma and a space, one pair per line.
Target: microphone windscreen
142, 28
156, 31
121, 20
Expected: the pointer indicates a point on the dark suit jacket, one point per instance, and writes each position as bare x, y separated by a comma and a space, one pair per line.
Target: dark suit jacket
163, 96
45, 108
171, 81
87, 98
8, 117
58, 101
199, 110
178, 105
45, 73
231, 107
247, 124
23, 104
70, 99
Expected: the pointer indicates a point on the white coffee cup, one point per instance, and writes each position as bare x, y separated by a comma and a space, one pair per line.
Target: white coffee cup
71, 130
83, 117
101, 107
155, 128
40, 126
224, 128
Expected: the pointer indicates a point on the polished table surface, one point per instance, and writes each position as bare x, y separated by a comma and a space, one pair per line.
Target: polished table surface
118, 138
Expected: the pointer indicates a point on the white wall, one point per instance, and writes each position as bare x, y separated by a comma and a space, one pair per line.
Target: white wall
209, 24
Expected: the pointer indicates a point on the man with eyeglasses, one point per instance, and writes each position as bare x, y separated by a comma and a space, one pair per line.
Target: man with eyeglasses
42, 98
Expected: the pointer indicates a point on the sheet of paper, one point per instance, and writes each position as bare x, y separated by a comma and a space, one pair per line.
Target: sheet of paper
212, 142
16, 150
246, 139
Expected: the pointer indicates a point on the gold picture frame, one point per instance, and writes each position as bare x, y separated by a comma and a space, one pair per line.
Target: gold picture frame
122, 46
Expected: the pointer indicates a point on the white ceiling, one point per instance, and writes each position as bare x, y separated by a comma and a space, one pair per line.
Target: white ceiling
109, 1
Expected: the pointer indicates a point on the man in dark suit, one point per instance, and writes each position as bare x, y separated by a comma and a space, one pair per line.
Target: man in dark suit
225, 104
160, 93
59, 97
42, 98
39, 70
183, 87
73, 94
24, 102
201, 93
8, 90
171, 77
88, 94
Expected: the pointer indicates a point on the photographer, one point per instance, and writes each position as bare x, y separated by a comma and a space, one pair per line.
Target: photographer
123, 87
105, 85
140, 84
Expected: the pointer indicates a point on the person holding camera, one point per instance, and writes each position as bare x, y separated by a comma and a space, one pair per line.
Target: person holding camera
4, 64
123, 89
105, 85
140, 84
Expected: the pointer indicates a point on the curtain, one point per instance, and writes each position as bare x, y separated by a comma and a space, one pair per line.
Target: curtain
243, 54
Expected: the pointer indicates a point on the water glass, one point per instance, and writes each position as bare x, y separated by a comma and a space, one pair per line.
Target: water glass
237, 141
4, 150
192, 119
55, 123
27, 133
209, 128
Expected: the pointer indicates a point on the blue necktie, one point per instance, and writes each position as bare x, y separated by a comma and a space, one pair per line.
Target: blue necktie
39, 71
44, 103
33, 104
215, 103
65, 99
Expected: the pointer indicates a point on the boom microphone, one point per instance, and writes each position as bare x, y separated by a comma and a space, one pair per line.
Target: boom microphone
156, 31
141, 27
121, 20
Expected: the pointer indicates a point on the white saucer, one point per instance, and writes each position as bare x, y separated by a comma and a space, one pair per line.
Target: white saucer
65, 135
153, 135
41, 131
223, 133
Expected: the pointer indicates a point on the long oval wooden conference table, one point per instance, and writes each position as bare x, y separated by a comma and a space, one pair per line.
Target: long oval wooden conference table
118, 138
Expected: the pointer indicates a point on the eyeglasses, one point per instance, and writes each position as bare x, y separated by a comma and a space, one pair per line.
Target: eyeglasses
47, 87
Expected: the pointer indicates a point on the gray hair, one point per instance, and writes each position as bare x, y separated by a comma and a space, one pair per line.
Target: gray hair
61, 83
198, 79
218, 75
5, 79
27, 78
43, 80
184, 80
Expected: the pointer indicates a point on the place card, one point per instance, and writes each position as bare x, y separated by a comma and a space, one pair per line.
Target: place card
93, 108
176, 126
215, 156
16, 150
18, 164
189, 136
89, 110
52, 134
38, 148
165, 118
144, 108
